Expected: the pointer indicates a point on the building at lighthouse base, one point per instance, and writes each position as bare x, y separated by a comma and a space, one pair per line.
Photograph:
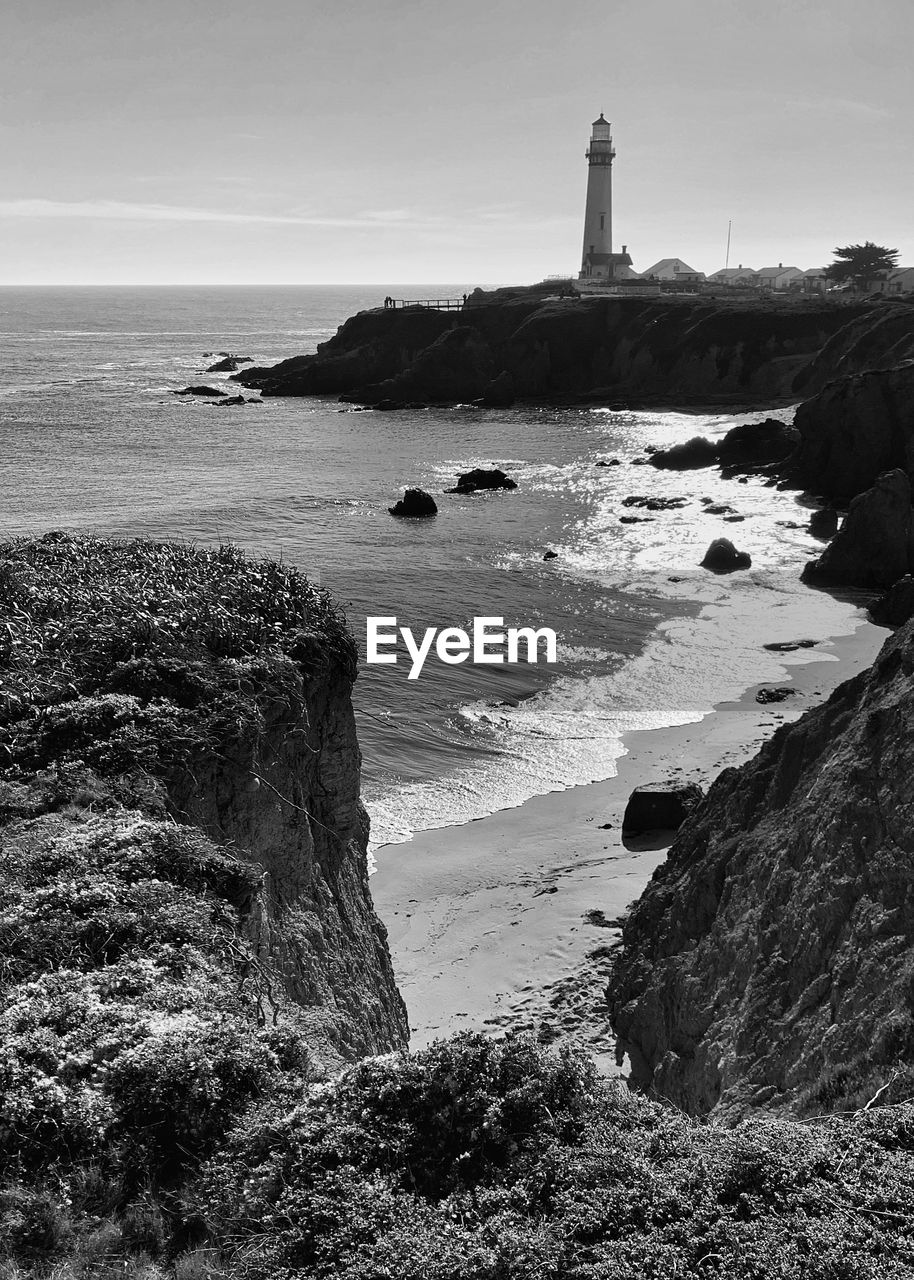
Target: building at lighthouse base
607, 266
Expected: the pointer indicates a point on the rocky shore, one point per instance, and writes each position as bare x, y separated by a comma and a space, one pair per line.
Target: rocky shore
195, 986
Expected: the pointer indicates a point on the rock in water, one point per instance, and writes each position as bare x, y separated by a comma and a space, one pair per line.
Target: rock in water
873, 547
768, 962
660, 806
755, 444
723, 557
896, 607
695, 453
481, 478
415, 504
824, 523
228, 365
199, 391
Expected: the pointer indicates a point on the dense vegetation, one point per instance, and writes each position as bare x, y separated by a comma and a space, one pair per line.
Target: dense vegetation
159, 1112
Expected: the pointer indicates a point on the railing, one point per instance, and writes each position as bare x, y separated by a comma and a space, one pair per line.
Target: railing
429, 304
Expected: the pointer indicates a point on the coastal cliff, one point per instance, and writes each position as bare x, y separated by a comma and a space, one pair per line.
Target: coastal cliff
769, 961
561, 348
164, 697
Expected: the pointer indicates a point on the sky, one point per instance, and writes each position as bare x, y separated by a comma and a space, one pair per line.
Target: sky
414, 141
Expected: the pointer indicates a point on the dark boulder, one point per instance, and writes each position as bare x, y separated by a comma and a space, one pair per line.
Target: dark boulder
873, 547
694, 453
718, 509
609, 462
199, 391
660, 806
654, 504
228, 365
754, 444
415, 504
229, 400
824, 523
789, 646
896, 607
551, 555
722, 557
778, 693
482, 478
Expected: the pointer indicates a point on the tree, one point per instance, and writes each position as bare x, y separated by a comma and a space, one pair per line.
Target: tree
861, 264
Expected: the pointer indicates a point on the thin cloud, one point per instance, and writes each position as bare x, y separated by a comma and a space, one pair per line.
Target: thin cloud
128, 211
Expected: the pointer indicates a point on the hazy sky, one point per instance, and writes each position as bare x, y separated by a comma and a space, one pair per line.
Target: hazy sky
377, 141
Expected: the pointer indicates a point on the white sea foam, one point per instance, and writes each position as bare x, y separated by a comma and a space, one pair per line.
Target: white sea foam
572, 732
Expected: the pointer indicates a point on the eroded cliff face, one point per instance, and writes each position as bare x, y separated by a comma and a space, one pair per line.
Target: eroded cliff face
881, 337
165, 688
769, 961
567, 348
855, 428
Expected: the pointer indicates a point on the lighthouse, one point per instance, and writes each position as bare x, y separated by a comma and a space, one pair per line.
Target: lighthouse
598, 259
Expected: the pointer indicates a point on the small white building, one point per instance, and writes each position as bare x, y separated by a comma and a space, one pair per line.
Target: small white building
779, 277
673, 269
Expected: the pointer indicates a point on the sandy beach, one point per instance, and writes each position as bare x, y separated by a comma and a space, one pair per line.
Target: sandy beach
508, 921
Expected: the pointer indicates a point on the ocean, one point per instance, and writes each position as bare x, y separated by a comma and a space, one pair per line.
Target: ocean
93, 441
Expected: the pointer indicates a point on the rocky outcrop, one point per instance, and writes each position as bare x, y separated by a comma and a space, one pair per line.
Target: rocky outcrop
748, 447
875, 543
723, 557
688, 456
896, 607
483, 478
757, 444
229, 363
414, 504
854, 429
193, 687
597, 348
199, 391
660, 806
770, 960
823, 524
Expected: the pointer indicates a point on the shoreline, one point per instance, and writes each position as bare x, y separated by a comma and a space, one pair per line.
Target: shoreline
508, 921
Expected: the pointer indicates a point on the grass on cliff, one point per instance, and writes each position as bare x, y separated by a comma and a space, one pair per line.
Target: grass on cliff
134, 658
72, 608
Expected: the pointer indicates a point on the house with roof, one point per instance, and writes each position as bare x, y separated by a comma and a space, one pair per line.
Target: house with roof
901, 280
673, 269
779, 277
738, 275
815, 280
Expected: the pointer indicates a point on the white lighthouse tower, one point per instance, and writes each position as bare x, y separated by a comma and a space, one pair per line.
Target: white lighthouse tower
598, 259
